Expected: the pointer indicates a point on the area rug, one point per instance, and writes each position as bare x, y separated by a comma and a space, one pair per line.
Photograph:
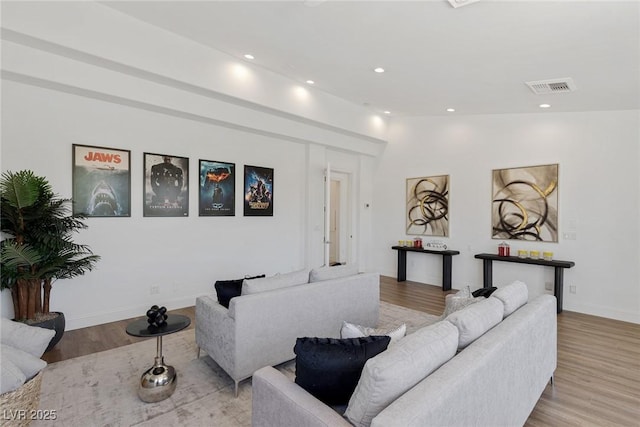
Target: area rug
100, 389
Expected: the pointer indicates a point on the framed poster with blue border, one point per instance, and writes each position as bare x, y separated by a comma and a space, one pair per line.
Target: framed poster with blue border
258, 191
217, 190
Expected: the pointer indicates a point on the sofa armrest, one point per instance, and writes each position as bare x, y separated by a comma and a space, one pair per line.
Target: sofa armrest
278, 401
216, 332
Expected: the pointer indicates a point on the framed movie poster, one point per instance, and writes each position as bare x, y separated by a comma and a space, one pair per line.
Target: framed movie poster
525, 203
166, 185
428, 206
258, 191
101, 181
217, 196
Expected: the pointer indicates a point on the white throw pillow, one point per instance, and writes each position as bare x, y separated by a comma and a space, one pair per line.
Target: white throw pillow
458, 301
513, 296
278, 281
349, 330
11, 378
391, 373
32, 339
28, 364
336, 272
473, 321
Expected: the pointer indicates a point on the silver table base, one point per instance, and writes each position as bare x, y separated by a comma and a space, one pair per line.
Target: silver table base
159, 381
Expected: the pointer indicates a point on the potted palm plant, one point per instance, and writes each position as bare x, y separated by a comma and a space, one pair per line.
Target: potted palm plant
38, 247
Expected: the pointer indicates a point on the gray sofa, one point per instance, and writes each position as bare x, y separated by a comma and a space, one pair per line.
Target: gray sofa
495, 381
261, 326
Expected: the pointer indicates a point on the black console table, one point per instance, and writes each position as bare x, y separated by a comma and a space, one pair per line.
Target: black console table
446, 263
558, 265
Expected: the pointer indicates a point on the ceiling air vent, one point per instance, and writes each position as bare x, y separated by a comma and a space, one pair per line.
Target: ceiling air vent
543, 87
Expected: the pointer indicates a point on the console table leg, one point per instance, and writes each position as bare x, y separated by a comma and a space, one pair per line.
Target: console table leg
487, 273
446, 272
402, 266
558, 287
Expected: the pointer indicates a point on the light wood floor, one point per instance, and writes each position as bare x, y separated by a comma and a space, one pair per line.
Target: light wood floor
597, 382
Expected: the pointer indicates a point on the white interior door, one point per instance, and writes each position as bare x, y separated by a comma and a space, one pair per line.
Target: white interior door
334, 224
327, 214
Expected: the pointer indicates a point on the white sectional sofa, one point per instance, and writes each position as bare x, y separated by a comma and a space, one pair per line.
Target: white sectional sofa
494, 379
261, 326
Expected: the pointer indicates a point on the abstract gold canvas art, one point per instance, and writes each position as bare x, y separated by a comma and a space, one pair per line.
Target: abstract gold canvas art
428, 206
525, 203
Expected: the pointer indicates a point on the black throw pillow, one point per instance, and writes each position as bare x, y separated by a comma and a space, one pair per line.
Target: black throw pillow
227, 289
484, 292
330, 368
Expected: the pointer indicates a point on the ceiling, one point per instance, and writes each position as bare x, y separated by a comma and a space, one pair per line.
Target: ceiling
474, 58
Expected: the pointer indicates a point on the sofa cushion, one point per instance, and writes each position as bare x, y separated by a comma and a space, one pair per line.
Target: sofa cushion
32, 339
329, 368
513, 296
390, 374
227, 289
28, 364
336, 272
278, 281
350, 330
11, 378
473, 321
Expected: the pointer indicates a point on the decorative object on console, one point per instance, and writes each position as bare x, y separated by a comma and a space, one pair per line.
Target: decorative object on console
525, 203
166, 185
504, 249
258, 191
428, 206
330, 368
101, 181
217, 189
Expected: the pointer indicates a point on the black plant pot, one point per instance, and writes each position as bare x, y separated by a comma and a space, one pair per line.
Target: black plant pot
57, 324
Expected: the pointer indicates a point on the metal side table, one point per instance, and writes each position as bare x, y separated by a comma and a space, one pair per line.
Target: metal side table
159, 381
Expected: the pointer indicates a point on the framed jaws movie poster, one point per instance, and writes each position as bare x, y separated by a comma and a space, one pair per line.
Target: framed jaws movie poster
101, 181
258, 191
166, 185
217, 195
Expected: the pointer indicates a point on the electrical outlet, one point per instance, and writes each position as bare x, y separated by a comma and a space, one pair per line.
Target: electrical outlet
571, 235
154, 290
572, 289
548, 286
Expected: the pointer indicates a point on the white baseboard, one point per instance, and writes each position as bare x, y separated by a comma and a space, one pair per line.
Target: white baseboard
607, 312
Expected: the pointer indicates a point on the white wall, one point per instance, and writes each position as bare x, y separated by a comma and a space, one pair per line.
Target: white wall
79, 72
599, 197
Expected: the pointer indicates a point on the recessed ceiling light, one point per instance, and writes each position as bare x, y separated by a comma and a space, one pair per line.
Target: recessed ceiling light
387, 112
379, 70
249, 56
451, 110
545, 105
311, 82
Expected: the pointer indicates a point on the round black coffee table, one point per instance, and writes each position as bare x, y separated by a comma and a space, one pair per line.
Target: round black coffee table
158, 382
